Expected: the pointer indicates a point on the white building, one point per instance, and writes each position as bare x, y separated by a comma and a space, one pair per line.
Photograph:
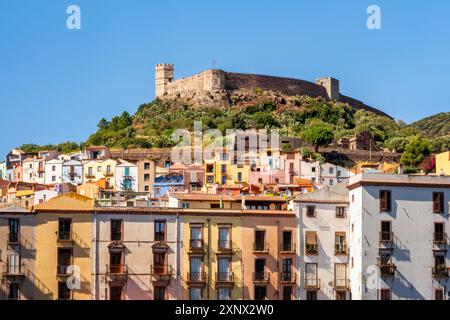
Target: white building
323, 254
42, 196
331, 175
398, 236
53, 171
127, 176
396, 227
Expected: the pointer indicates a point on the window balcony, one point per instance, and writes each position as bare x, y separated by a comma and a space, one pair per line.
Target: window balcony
440, 238
196, 246
387, 269
312, 282
288, 248
196, 277
386, 238
341, 284
440, 271
13, 271
288, 277
64, 271
261, 277
311, 249
224, 278
108, 174
224, 246
117, 272
65, 238
260, 247
340, 249
89, 176
13, 239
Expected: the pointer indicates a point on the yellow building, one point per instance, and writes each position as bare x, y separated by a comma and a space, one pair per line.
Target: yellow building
443, 163
211, 256
63, 247
223, 171
94, 170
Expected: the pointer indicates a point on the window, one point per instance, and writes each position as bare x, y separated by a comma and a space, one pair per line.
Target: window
313, 169
311, 295
108, 169
223, 168
146, 177
438, 202
214, 205
310, 211
147, 166
90, 174
340, 276
116, 262
239, 176
311, 243
64, 229
385, 294
260, 240
146, 188
223, 180
286, 271
287, 241
159, 261
438, 294
260, 267
224, 269
195, 293
196, 241
53, 168
287, 293
64, 261
385, 201
13, 293
386, 231
196, 269
63, 291
99, 169
340, 212
14, 227
185, 205
439, 234
260, 292
209, 168
116, 230
339, 244
331, 170
115, 293
224, 237
341, 295
210, 179
311, 275
53, 178
331, 182
159, 293
223, 294
160, 231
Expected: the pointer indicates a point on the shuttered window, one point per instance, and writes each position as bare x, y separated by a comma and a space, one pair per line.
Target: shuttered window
311, 237
438, 202
385, 201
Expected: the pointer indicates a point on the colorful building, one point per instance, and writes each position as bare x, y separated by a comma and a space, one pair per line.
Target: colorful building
64, 256
95, 170
3, 170
17, 255
443, 163
127, 176
146, 175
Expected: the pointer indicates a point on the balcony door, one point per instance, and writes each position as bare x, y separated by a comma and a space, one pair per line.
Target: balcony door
196, 237
224, 238
287, 269
195, 268
311, 275
159, 260
260, 238
64, 260
340, 275
224, 269
116, 261
14, 230
14, 263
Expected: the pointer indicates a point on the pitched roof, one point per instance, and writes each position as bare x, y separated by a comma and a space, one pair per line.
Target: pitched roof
14, 209
201, 197
400, 180
334, 194
71, 202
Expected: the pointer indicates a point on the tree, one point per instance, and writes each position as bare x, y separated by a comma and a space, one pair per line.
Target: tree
318, 135
416, 151
103, 124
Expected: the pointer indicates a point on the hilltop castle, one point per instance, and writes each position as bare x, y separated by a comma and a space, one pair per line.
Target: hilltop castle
215, 84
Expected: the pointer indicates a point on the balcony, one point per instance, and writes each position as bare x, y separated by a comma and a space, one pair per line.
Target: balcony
440, 271
440, 238
196, 277
14, 239
260, 247
288, 277
161, 275
261, 277
311, 249
224, 246
340, 249
89, 176
224, 278
312, 282
65, 238
341, 284
41, 170
196, 246
387, 269
117, 273
14, 272
64, 271
386, 237
288, 248
108, 174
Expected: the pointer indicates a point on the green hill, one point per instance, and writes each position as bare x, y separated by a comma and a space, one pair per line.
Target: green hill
434, 126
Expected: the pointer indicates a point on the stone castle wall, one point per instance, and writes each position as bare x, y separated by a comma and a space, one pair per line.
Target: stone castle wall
211, 82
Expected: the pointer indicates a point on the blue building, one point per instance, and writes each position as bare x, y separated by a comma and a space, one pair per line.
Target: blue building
170, 182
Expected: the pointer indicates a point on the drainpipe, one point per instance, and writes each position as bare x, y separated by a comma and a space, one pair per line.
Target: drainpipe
96, 257
278, 258
178, 254
209, 257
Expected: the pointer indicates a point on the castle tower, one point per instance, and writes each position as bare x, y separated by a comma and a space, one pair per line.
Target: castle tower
332, 87
163, 76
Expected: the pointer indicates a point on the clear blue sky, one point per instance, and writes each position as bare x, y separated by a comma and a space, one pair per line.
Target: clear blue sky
55, 84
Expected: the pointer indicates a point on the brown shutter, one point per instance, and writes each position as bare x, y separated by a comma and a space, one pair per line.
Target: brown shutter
311, 237
438, 202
